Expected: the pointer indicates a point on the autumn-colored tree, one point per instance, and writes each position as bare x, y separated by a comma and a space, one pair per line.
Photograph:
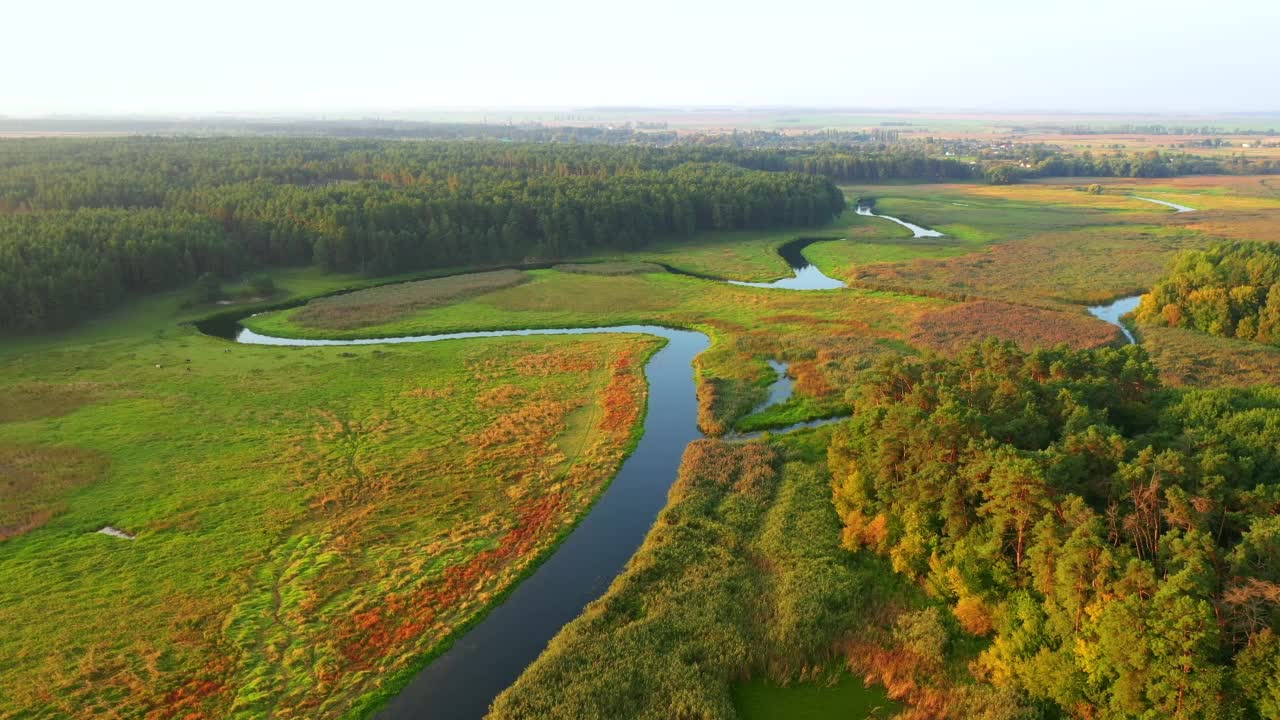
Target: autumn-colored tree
1118, 543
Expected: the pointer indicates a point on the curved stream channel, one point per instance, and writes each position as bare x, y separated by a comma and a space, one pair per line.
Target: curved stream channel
1166, 203
916, 230
1113, 312
462, 682
806, 275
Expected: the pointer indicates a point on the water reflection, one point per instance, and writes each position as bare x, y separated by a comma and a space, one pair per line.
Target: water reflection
1116, 310
807, 275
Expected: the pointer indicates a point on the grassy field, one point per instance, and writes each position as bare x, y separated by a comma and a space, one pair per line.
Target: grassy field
391, 302
1082, 266
752, 256
846, 698
1189, 358
952, 328
844, 258
310, 523
826, 335
1051, 243
741, 576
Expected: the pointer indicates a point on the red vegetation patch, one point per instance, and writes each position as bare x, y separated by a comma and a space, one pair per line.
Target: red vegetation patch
710, 396
373, 634
899, 671
960, 325
620, 407
500, 396
518, 435
552, 363
192, 699
810, 379
749, 468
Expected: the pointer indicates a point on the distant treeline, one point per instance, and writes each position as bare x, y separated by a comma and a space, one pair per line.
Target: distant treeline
887, 165
1150, 164
84, 223
42, 174
1155, 129
1046, 162
388, 206
1230, 290
47, 174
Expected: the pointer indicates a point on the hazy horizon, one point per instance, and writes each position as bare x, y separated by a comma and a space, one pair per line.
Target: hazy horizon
142, 57
416, 113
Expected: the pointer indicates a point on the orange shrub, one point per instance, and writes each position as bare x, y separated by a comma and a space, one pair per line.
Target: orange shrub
973, 615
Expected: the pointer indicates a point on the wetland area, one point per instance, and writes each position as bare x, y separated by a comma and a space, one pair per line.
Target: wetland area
739, 443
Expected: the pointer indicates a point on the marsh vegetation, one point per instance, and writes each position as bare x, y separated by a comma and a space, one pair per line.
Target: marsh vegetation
313, 525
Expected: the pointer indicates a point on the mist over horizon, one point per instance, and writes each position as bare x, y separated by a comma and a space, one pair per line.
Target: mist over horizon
143, 57
531, 113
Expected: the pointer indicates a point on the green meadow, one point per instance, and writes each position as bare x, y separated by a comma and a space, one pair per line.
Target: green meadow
277, 497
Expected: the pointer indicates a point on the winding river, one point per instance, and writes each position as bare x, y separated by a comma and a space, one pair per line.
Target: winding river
461, 683
484, 661
1114, 311
780, 389
806, 275
916, 230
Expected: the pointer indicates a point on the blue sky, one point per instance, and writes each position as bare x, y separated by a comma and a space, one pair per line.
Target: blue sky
263, 56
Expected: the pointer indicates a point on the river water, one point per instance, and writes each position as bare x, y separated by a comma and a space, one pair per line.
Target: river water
806, 276
916, 230
780, 389
1166, 203
461, 683
1113, 312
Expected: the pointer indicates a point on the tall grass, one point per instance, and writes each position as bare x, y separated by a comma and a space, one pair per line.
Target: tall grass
390, 302
741, 575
